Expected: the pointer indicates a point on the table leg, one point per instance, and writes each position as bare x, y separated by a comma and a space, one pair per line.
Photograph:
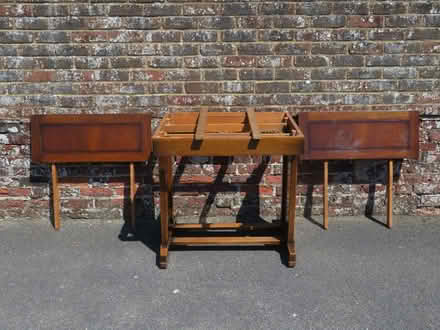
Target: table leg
170, 189
291, 253
132, 197
390, 194
164, 168
55, 198
325, 197
284, 187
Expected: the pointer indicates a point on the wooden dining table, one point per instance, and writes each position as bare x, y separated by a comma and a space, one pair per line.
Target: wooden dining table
209, 133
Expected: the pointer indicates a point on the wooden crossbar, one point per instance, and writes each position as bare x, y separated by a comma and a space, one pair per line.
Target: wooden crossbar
255, 131
223, 226
226, 240
201, 124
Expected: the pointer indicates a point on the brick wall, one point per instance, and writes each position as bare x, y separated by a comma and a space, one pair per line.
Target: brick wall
177, 55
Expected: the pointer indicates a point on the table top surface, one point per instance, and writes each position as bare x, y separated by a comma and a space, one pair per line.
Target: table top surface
228, 133
226, 124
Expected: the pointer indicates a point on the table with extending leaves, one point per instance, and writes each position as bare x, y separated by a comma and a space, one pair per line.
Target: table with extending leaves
207, 133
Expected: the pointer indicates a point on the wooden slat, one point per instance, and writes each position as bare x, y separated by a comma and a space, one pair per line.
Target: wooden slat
227, 240
223, 117
220, 226
227, 135
390, 195
224, 128
291, 123
55, 198
201, 124
255, 131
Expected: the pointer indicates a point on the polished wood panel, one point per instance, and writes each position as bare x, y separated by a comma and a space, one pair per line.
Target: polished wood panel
90, 138
360, 135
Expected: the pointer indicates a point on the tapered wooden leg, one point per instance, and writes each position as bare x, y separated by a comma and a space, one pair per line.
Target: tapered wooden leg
284, 188
132, 197
164, 167
390, 195
325, 197
55, 198
170, 189
291, 253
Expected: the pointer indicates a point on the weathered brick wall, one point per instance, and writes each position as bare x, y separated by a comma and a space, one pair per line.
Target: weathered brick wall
177, 55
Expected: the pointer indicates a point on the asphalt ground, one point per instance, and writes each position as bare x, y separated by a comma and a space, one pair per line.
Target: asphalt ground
92, 275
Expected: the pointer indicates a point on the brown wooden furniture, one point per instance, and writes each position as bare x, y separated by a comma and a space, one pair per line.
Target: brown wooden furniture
90, 138
360, 135
227, 134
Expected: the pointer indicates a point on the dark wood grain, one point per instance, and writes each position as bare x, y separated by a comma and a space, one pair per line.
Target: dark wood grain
91, 138
360, 135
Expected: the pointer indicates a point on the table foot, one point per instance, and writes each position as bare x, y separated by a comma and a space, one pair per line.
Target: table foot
291, 254
163, 257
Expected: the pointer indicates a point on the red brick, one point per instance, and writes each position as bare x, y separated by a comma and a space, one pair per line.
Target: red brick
19, 192
270, 179
117, 203
428, 211
434, 135
39, 76
89, 36
197, 179
11, 203
428, 146
96, 192
265, 190
239, 61
40, 203
119, 191
365, 21
76, 203
184, 100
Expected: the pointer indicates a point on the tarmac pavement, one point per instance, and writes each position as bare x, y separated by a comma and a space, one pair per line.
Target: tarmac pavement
91, 275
